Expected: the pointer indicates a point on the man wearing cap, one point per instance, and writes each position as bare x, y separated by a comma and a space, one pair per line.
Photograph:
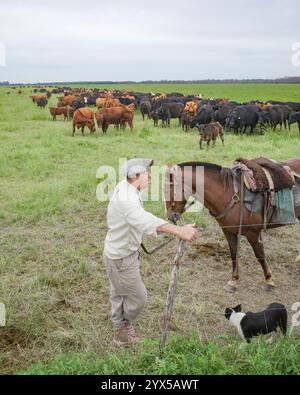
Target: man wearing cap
127, 223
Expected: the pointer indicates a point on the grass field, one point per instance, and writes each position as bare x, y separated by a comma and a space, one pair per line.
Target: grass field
52, 280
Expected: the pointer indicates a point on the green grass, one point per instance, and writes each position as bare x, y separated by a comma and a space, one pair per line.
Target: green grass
45, 173
238, 92
182, 356
52, 280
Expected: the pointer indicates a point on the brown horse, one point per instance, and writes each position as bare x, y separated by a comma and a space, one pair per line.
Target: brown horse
218, 193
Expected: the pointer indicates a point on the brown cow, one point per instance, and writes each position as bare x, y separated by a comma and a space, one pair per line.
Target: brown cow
99, 118
157, 99
185, 120
67, 100
84, 117
130, 107
127, 97
100, 102
107, 95
222, 102
65, 111
112, 103
211, 132
191, 108
35, 98
263, 106
115, 116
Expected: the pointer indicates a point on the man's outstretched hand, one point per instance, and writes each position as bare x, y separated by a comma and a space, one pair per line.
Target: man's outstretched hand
188, 232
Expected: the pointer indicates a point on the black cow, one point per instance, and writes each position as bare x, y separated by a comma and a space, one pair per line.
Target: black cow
77, 104
140, 97
90, 100
169, 100
271, 116
243, 117
295, 118
126, 101
145, 108
203, 117
169, 111
294, 106
156, 116
42, 102
222, 114
166, 112
287, 112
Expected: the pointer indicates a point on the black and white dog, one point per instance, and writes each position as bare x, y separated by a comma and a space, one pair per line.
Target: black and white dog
255, 324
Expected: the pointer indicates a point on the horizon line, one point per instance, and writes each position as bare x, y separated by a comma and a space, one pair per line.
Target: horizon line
293, 79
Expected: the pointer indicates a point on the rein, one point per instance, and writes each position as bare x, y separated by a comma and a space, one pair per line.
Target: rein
168, 241
157, 248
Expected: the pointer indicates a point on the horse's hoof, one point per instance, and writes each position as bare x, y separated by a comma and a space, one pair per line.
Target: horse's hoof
268, 287
230, 288
298, 259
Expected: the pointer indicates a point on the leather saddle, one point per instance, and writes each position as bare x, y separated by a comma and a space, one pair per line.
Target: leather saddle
268, 175
269, 185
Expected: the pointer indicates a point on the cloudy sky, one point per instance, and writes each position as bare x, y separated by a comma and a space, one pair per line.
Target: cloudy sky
139, 39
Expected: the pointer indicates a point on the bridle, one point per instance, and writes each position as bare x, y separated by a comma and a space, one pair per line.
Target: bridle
184, 191
236, 198
186, 207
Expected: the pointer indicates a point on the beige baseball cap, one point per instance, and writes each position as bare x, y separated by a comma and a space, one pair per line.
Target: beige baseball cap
136, 166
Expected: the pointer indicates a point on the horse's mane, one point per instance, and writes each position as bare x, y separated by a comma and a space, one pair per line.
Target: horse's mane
225, 173
211, 166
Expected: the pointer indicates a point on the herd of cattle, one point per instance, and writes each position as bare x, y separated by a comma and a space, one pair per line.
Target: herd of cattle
208, 115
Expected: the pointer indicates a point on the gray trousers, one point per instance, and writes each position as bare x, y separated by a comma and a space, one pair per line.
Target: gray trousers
128, 294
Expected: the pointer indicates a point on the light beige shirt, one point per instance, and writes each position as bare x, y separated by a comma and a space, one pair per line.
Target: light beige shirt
127, 222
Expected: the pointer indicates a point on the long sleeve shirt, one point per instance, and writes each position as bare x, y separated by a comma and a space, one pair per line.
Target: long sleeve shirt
127, 222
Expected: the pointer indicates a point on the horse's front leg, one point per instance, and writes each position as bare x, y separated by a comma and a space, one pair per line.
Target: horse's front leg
258, 248
232, 239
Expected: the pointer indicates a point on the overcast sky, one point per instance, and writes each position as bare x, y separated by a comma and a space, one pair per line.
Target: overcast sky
139, 39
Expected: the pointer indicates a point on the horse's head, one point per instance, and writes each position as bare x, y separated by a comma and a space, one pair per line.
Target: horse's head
175, 193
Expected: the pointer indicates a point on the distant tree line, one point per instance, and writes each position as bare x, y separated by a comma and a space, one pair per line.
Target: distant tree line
284, 80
